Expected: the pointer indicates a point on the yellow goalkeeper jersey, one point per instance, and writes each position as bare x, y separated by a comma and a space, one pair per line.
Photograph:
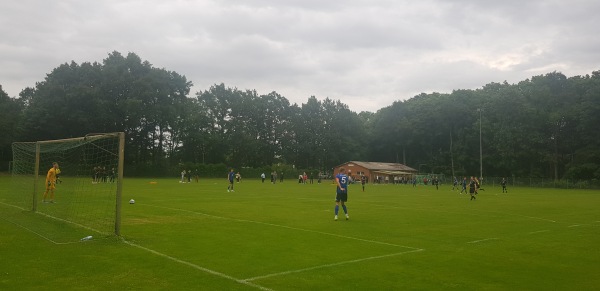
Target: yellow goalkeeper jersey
51, 176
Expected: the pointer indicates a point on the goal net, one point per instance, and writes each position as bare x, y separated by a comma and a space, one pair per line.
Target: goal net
87, 188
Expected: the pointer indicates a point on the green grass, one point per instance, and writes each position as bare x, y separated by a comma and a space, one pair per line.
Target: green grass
282, 237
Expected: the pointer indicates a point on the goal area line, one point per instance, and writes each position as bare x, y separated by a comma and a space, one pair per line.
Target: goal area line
51, 217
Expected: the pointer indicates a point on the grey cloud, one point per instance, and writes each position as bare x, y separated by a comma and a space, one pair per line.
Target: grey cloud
365, 53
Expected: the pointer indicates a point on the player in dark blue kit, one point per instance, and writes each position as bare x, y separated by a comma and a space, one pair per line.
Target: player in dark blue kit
473, 188
503, 183
341, 195
464, 185
230, 177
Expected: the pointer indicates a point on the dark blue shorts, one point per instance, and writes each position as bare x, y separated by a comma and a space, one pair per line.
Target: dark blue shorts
341, 197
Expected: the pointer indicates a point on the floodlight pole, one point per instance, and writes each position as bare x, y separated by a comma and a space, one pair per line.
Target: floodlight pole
480, 148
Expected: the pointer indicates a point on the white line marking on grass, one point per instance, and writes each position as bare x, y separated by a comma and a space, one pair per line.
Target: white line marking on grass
41, 235
577, 225
284, 226
52, 217
331, 265
14, 206
140, 247
245, 282
539, 218
482, 240
504, 213
457, 212
539, 231
422, 209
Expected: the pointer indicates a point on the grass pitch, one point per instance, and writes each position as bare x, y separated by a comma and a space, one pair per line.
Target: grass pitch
197, 236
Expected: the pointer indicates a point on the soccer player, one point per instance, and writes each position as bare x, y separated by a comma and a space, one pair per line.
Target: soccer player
113, 174
230, 177
464, 185
341, 193
50, 183
455, 184
478, 185
363, 181
503, 183
472, 190
58, 180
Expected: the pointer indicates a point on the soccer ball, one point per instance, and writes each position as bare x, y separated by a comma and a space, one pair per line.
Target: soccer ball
131, 201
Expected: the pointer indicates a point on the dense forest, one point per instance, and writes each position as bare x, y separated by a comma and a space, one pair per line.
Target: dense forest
546, 126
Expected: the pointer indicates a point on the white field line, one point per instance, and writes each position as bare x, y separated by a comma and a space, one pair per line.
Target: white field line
331, 265
462, 213
52, 217
143, 248
482, 240
14, 206
212, 272
41, 235
512, 214
539, 231
420, 209
283, 226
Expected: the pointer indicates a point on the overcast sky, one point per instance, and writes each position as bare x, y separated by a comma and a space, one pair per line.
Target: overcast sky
366, 53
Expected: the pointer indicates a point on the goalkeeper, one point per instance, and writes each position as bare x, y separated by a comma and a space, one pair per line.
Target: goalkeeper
51, 182
58, 180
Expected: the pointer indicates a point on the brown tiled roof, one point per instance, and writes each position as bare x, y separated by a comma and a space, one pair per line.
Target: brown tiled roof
384, 166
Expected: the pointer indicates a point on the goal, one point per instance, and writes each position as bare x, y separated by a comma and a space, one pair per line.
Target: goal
87, 195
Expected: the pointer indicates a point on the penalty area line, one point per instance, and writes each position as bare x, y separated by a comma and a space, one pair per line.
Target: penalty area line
283, 226
209, 271
331, 265
482, 240
539, 231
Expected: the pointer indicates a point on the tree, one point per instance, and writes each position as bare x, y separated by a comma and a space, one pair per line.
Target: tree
546, 126
11, 110
121, 94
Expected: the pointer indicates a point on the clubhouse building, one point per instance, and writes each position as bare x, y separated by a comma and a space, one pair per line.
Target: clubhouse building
377, 172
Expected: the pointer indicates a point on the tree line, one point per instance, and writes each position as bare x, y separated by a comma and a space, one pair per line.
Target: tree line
546, 126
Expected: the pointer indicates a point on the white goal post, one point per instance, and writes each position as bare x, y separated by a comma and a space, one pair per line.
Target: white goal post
87, 192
